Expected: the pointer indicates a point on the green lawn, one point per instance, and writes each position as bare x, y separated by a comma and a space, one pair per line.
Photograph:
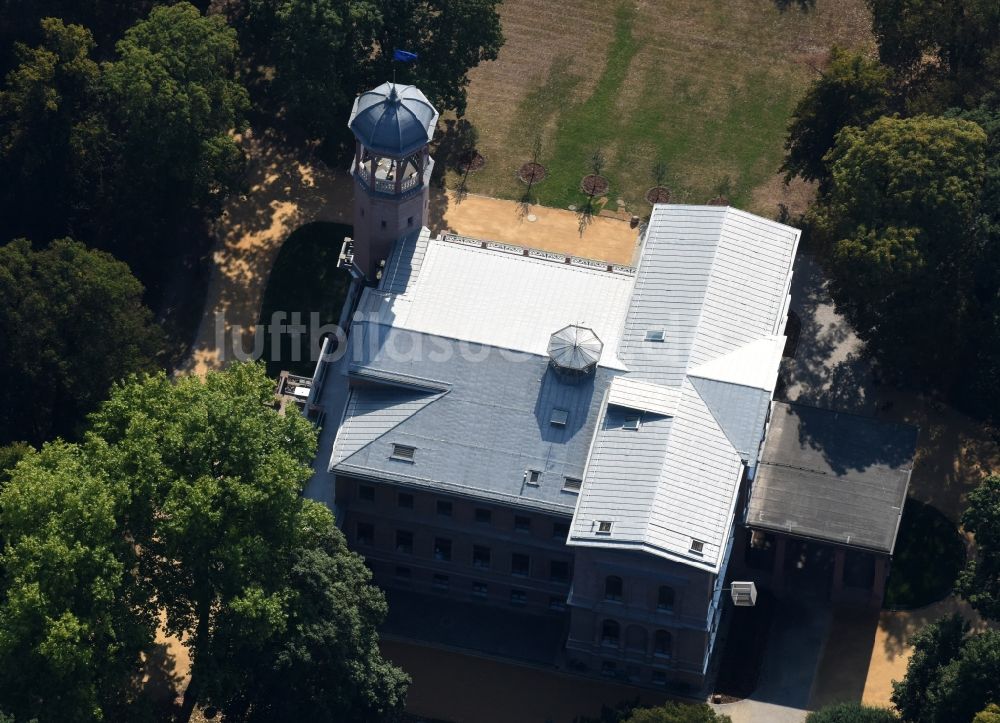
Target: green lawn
305, 279
929, 554
706, 87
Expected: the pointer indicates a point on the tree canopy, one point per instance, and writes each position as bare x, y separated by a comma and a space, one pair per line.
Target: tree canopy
852, 91
72, 322
979, 583
73, 615
951, 675
900, 221
257, 577
307, 39
852, 713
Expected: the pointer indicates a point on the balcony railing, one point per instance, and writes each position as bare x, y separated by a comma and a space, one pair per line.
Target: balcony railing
384, 185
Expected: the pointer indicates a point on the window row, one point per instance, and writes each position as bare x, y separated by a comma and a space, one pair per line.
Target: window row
614, 588
636, 639
479, 589
632, 673
482, 556
483, 515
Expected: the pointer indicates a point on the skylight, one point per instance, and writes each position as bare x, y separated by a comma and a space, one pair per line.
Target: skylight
654, 335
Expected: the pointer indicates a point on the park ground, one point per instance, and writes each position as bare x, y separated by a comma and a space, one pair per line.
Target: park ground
708, 86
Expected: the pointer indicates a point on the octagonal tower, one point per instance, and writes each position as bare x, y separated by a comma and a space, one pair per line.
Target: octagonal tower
393, 125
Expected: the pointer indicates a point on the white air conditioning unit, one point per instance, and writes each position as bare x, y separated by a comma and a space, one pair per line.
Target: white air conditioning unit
744, 594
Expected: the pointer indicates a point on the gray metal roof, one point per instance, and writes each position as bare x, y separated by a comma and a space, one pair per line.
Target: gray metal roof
394, 120
480, 436
833, 476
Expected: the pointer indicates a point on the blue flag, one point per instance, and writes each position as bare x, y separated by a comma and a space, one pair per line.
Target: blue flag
403, 56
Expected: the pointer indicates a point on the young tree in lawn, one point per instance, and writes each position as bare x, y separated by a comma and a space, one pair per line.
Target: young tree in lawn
74, 616
72, 322
853, 91
232, 547
979, 583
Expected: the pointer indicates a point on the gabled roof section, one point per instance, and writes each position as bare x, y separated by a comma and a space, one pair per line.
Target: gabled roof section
374, 411
643, 396
737, 389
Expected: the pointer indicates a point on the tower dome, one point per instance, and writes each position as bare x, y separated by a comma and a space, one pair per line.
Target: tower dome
574, 351
393, 120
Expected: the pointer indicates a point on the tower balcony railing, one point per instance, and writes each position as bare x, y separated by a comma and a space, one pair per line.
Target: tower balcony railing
384, 185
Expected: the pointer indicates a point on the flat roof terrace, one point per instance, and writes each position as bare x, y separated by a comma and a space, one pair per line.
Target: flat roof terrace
833, 476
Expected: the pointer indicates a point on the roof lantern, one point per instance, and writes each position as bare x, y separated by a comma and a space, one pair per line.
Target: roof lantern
574, 351
393, 120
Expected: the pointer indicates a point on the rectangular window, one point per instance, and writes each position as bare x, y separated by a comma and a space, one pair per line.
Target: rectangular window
365, 533
444, 508
403, 452
654, 335
404, 541
522, 523
480, 589
405, 500
409, 221
533, 477
366, 493
560, 531
518, 597
442, 549
631, 422
440, 582
483, 516
559, 571
520, 564
557, 604
403, 573
481, 556
603, 527
572, 484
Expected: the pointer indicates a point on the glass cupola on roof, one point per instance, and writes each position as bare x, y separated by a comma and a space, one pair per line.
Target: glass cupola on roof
574, 351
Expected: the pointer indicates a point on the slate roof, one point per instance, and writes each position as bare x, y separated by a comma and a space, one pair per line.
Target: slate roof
833, 476
450, 356
393, 119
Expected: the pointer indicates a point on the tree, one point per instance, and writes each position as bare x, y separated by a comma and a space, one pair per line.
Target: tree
233, 550
934, 648
71, 323
853, 91
969, 682
175, 101
989, 714
677, 713
305, 39
949, 50
50, 130
852, 713
901, 224
73, 615
979, 583
10, 455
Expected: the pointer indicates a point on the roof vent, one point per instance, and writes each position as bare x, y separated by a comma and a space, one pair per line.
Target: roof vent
559, 417
533, 477
572, 484
697, 547
574, 352
403, 452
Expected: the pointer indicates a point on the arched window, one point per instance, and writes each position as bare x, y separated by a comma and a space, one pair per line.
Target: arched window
665, 599
613, 588
610, 632
663, 644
